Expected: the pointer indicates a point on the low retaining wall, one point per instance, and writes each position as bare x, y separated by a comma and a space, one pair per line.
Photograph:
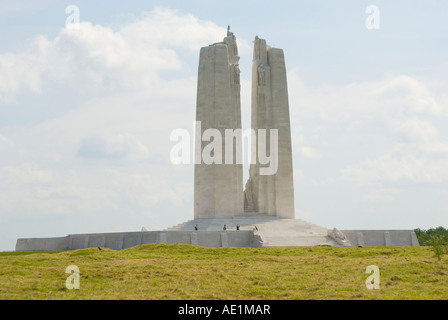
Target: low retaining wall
241, 238
123, 240
373, 238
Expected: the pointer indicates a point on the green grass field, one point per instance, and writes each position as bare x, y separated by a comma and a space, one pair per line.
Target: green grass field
158, 271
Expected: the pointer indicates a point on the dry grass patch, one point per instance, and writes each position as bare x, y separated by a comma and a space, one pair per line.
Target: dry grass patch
157, 271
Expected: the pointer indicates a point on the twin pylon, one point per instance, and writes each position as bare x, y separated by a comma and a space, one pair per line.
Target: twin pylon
218, 187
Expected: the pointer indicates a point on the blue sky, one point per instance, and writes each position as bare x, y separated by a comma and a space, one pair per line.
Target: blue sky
86, 115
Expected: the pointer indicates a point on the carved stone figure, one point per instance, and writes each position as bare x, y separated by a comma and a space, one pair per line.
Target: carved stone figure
257, 54
248, 195
339, 237
229, 33
237, 74
337, 234
261, 77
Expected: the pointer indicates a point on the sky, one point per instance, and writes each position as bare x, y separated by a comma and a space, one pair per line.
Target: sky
86, 113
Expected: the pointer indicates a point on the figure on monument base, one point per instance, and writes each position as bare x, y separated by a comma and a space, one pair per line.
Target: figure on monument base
248, 196
261, 77
249, 193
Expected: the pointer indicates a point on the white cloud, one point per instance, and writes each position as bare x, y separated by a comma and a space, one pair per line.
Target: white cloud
396, 168
409, 93
5, 143
169, 28
397, 96
21, 72
301, 147
31, 191
298, 175
389, 129
114, 146
96, 57
382, 194
434, 148
26, 173
323, 182
108, 154
415, 129
309, 152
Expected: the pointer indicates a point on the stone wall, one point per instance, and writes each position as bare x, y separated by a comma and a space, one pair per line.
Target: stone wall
372, 238
123, 240
230, 238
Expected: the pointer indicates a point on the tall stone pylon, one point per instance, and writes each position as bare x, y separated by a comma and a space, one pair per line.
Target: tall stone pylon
218, 186
273, 194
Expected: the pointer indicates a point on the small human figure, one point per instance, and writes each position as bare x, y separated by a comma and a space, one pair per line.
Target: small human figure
224, 228
237, 227
196, 227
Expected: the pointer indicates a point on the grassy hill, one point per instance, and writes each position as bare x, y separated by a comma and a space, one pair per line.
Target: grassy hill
158, 271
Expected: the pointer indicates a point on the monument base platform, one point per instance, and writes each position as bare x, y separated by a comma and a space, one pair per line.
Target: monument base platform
254, 230
276, 232
273, 231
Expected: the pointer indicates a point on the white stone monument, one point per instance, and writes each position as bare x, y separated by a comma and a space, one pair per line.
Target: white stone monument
262, 215
271, 194
218, 187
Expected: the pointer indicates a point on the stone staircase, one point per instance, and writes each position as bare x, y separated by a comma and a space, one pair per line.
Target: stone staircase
272, 230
